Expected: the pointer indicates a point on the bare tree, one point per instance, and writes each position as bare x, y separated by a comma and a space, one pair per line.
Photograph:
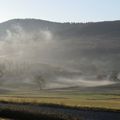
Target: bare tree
2, 72
114, 76
40, 81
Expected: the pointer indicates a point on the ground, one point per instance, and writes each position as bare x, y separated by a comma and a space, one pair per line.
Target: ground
68, 98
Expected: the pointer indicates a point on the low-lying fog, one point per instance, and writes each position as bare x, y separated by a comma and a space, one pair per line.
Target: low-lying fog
29, 57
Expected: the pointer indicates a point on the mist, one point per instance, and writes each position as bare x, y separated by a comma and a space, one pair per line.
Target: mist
26, 56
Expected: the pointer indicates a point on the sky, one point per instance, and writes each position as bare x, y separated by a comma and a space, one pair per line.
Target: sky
61, 10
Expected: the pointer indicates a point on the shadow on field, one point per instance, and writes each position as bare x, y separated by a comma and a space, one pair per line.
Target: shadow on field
24, 111
18, 115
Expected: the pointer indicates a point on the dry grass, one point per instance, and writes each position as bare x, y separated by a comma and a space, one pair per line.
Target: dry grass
81, 100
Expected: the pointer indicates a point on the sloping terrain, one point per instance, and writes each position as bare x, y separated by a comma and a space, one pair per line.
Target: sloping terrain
38, 54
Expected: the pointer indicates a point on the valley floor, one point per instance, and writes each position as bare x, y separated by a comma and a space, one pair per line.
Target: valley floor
67, 98
49, 105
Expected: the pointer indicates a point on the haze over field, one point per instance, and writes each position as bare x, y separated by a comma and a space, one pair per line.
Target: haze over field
38, 54
60, 59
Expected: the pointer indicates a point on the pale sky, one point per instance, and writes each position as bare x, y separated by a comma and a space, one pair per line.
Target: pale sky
61, 10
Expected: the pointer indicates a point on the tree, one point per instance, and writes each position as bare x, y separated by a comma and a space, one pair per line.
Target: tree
114, 76
40, 81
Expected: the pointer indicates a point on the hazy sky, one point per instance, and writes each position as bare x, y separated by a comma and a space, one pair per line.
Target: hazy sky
61, 10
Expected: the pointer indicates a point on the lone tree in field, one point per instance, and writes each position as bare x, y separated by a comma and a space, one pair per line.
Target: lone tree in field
114, 76
40, 81
2, 72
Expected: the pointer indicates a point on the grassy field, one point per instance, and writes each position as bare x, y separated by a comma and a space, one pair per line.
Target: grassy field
72, 99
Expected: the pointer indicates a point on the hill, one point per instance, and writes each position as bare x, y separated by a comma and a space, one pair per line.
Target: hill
37, 54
